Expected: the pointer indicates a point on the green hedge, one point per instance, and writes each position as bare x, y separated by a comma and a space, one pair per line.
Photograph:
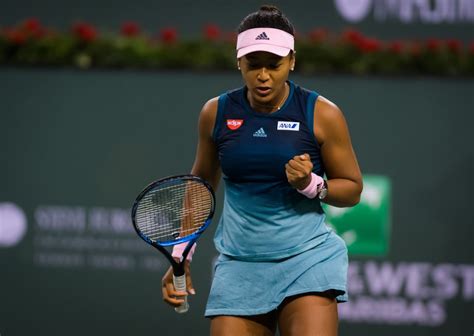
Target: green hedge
29, 43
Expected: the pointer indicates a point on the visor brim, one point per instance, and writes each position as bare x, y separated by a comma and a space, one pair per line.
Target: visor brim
280, 51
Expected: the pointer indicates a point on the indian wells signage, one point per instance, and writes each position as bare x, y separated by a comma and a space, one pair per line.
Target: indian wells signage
407, 11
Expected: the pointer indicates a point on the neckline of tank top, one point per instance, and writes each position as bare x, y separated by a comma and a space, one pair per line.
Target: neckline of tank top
282, 104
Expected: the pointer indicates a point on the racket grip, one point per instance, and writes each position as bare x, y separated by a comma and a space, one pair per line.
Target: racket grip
179, 283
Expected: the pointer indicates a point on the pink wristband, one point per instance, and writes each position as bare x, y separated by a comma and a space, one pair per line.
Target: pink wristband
179, 249
314, 187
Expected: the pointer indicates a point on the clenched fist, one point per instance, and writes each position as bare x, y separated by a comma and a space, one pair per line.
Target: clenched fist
298, 171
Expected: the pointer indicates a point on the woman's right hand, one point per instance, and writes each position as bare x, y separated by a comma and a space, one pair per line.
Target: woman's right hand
170, 295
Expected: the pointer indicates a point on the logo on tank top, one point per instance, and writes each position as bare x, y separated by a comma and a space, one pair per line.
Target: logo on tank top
260, 133
288, 126
234, 124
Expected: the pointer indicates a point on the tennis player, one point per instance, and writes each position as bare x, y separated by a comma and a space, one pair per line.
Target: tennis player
282, 150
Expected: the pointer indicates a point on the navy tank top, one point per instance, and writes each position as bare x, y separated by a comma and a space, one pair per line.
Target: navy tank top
263, 217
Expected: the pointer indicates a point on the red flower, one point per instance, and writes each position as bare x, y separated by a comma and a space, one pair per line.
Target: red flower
16, 36
471, 48
395, 47
212, 32
85, 31
130, 29
318, 35
352, 36
433, 44
454, 46
32, 25
169, 35
369, 45
34, 28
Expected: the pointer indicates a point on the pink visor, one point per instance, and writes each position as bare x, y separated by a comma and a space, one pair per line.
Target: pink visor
272, 40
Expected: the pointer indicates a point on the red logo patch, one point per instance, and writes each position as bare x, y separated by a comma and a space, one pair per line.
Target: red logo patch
234, 124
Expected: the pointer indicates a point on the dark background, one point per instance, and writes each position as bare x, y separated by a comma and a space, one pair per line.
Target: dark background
92, 139
189, 16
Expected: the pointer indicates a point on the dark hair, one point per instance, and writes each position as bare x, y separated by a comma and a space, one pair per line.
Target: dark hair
267, 16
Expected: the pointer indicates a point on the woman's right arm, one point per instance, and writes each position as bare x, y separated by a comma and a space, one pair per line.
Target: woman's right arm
206, 165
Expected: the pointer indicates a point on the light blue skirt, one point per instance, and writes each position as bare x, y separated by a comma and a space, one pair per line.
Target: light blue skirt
250, 288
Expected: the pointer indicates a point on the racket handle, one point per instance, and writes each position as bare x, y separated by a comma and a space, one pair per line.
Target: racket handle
179, 283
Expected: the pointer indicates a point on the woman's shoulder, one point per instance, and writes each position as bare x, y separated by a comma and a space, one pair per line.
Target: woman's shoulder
323, 107
209, 108
326, 107
328, 118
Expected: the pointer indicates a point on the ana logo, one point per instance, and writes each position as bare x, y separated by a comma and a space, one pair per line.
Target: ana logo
12, 224
353, 10
260, 133
262, 36
288, 126
234, 124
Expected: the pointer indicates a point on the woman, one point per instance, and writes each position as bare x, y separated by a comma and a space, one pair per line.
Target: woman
280, 266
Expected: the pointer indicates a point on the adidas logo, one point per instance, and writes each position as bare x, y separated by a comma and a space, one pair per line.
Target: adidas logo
260, 133
262, 36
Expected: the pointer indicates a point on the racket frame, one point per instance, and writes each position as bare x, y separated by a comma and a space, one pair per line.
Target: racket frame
178, 267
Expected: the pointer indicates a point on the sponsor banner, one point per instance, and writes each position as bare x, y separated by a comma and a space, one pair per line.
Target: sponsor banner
365, 227
407, 11
406, 293
77, 237
13, 225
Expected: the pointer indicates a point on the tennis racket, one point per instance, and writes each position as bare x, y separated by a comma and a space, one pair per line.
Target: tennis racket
171, 211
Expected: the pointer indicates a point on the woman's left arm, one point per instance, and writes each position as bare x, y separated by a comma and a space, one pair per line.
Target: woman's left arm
340, 162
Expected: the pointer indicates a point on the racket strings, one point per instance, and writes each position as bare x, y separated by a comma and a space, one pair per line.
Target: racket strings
173, 211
